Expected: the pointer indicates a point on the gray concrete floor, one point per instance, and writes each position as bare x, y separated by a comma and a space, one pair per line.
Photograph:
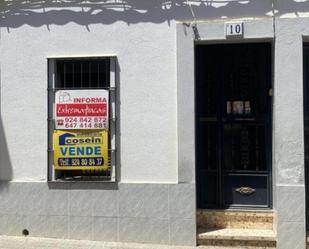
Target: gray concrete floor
11, 242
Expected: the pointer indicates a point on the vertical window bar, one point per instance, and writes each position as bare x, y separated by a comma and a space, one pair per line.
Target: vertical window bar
233, 147
208, 147
90, 83
98, 83
110, 73
81, 75
52, 72
257, 166
73, 75
106, 74
64, 75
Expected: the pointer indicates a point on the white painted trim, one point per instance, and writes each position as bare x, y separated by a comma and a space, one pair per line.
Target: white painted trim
69, 56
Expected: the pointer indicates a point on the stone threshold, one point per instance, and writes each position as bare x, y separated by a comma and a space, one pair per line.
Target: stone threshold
247, 212
236, 219
237, 237
237, 234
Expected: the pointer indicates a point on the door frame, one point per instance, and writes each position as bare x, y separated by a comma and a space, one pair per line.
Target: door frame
269, 132
187, 35
305, 46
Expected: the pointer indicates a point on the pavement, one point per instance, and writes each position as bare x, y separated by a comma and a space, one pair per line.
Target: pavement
11, 242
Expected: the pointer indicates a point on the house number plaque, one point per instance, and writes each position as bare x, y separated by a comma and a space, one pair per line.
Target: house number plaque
234, 29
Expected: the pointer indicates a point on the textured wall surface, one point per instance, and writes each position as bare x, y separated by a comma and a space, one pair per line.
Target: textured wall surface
288, 132
142, 35
148, 213
146, 57
156, 118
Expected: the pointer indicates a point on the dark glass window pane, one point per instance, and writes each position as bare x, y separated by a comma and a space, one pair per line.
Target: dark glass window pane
104, 75
94, 74
69, 75
206, 83
60, 75
78, 74
246, 78
244, 147
85, 74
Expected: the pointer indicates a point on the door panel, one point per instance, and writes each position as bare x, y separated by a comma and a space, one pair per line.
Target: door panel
243, 147
233, 125
208, 180
258, 184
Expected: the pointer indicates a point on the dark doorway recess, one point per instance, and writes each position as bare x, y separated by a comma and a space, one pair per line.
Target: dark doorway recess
233, 125
306, 124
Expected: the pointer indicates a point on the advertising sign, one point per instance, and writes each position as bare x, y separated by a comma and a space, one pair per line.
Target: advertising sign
81, 109
85, 150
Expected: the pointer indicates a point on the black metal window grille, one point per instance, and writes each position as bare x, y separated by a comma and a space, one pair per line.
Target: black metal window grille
82, 73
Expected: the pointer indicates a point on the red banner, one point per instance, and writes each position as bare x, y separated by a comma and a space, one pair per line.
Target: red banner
81, 110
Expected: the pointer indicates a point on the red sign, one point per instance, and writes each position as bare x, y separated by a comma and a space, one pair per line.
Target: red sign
81, 109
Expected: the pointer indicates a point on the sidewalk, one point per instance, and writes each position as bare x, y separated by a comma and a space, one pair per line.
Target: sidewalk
11, 242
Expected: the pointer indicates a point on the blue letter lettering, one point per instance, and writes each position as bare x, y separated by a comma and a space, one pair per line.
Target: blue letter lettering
89, 150
72, 151
63, 150
97, 150
80, 151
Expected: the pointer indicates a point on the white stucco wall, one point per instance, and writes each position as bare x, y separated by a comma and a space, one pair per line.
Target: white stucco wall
141, 34
146, 56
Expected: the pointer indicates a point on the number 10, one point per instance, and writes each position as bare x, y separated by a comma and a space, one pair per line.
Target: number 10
234, 29
237, 29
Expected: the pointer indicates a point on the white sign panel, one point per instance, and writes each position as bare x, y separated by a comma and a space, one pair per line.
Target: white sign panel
81, 109
234, 29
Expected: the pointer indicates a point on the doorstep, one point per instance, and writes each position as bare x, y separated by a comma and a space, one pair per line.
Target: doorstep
228, 237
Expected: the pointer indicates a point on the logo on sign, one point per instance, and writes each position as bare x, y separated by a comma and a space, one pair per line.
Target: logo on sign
70, 139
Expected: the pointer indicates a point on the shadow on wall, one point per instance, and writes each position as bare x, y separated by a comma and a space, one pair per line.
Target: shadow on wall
15, 13
48, 12
291, 7
6, 173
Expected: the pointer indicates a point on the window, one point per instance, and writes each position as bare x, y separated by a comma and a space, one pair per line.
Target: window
81, 119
